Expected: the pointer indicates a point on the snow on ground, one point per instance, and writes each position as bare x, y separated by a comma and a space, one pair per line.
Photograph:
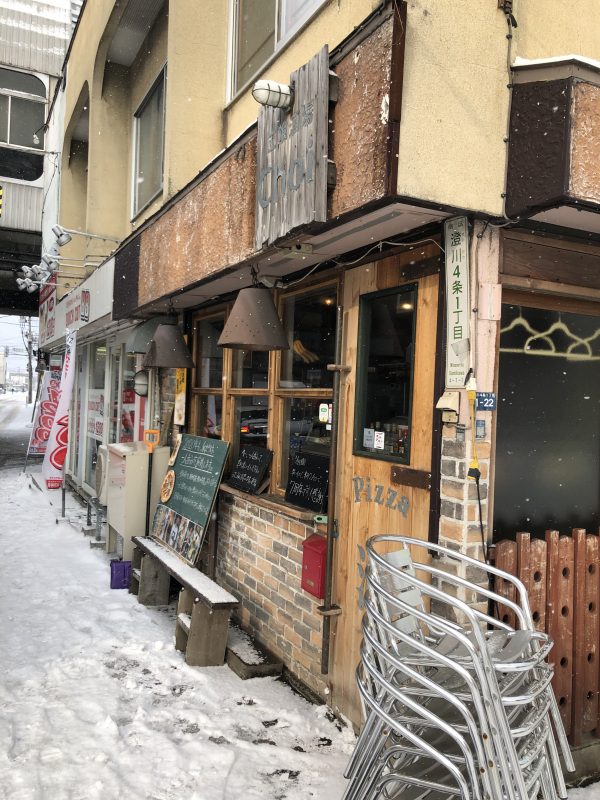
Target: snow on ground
96, 704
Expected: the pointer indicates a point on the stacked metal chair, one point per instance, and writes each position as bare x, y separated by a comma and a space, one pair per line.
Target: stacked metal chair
456, 702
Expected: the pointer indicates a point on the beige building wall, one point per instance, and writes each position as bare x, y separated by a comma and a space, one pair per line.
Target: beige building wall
550, 28
456, 101
455, 104
334, 22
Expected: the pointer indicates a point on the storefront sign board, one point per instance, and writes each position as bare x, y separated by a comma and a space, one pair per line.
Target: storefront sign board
95, 414
291, 156
180, 389
47, 311
44, 412
56, 451
308, 480
458, 315
188, 495
250, 469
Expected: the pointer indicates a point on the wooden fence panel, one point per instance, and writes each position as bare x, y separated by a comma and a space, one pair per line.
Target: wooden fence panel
586, 633
562, 577
559, 610
506, 559
538, 558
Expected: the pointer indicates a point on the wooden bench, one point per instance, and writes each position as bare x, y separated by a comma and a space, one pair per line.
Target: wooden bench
203, 607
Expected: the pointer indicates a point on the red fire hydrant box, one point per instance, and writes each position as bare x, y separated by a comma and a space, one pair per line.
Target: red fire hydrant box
314, 558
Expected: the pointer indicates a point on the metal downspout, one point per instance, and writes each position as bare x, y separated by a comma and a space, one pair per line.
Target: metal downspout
327, 610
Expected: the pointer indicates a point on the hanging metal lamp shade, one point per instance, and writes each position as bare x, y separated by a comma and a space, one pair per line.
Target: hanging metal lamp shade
168, 349
253, 323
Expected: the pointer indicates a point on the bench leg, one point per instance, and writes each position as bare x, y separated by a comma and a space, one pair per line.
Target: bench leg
207, 639
184, 606
154, 583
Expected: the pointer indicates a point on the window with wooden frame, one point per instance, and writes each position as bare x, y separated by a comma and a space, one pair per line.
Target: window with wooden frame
279, 401
382, 423
304, 387
207, 377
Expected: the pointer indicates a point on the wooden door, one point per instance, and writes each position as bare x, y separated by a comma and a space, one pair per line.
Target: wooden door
371, 499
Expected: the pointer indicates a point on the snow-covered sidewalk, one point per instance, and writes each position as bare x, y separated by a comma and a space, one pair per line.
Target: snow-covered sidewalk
95, 702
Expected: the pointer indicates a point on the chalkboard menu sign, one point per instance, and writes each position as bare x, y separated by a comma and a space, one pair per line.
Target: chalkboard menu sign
188, 493
308, 478
250, 468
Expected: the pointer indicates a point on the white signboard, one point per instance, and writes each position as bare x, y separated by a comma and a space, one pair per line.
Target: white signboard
95, 415
457, 302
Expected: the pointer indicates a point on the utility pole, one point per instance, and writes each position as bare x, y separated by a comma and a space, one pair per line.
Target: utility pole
29, 362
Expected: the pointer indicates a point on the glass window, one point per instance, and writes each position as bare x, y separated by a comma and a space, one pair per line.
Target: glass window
21, 82
95, 410
309, 321
4, 103
261, 27
209, 356
20, 164
210, 415
21, 117
128, 399
384, 375
548, 424
251, 423
113, 434
250, 369
255, 37
306, 429
149, 122
26, 119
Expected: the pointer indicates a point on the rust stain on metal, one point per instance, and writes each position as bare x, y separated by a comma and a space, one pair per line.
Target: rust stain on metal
585, 142
359, 122
208, 229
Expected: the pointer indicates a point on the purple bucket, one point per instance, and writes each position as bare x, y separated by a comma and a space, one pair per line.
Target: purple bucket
120, 574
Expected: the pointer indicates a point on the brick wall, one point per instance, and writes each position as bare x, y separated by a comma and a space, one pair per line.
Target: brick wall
459, 509
259, 560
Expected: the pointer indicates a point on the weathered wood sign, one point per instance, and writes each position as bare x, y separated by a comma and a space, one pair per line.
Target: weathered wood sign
308, 479
250, 469
291, 157
188, 494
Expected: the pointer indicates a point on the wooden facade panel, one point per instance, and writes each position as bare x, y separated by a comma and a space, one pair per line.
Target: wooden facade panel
361, 511
551, 260
559, 612
586, 635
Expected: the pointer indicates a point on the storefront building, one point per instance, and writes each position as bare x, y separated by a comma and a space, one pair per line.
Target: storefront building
105, 408
385, 177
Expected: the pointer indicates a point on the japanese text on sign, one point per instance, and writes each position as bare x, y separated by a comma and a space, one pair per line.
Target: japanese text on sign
457, 302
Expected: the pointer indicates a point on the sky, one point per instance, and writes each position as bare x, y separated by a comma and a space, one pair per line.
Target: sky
10, 336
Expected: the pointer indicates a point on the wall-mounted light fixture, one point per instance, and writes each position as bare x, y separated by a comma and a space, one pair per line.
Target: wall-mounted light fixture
253, 323
64, 235
35, 138
168, 348
270, 93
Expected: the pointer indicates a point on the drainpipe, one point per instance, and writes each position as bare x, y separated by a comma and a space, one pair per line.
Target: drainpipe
328, 610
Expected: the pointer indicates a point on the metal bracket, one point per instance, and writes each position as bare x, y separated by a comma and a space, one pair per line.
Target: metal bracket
331, 611
338, 368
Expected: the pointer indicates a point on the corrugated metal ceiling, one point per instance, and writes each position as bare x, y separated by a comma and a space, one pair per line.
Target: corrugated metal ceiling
34, 35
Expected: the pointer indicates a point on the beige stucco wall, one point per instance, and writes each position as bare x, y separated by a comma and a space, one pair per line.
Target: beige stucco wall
455, 104
456, 101
334, 22
197, 75
548, 28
